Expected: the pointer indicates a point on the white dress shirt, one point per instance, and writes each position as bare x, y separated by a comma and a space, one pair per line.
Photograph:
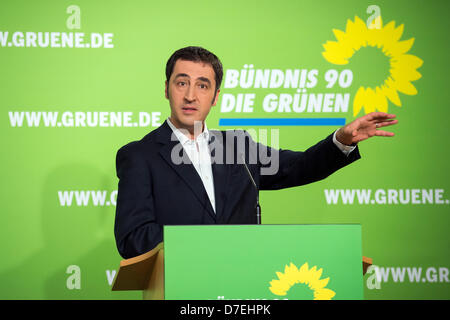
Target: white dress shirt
199, 154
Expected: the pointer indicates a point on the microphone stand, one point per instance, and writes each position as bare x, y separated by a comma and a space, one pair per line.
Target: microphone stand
258, 207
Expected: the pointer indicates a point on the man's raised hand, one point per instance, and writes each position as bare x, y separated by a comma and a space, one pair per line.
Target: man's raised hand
365, 127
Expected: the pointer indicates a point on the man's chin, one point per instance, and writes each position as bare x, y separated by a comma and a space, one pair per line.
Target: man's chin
195, 124
191, 125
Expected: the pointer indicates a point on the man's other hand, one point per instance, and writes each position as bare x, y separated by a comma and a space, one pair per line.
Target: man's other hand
365, 127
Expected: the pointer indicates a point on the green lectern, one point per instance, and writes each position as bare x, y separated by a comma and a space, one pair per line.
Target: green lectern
210, 262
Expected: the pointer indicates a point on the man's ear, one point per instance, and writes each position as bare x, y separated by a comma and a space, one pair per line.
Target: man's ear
166, 90
216, 98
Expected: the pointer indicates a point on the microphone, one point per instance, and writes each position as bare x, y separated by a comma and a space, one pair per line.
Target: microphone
258, 207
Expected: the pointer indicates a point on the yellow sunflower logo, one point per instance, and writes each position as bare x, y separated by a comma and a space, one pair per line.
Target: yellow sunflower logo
402, 65
303, 275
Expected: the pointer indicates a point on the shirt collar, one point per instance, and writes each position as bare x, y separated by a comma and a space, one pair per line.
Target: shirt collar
204, 136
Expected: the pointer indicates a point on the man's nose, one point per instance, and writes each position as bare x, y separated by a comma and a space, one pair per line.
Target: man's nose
190, 93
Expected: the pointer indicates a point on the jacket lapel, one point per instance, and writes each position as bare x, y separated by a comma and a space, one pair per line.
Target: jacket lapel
220, 173
185, 170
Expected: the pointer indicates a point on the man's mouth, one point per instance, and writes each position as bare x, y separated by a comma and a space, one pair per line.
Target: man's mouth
189, 109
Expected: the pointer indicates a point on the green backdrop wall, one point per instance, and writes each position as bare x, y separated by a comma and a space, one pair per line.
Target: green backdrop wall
79, 79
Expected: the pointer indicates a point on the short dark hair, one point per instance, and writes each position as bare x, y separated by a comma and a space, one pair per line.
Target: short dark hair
196, 54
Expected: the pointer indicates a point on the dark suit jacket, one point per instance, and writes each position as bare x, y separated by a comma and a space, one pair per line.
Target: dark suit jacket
153, 191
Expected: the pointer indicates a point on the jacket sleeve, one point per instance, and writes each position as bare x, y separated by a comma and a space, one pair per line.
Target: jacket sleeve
298, 168
135, 229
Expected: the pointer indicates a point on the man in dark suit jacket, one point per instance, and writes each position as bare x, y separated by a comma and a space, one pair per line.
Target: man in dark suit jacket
156, 188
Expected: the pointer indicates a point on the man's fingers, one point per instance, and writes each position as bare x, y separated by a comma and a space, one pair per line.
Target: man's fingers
380, 116
381, 133
386, 123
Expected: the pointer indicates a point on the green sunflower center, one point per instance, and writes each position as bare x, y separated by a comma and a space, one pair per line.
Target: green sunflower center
370, 67
300, 291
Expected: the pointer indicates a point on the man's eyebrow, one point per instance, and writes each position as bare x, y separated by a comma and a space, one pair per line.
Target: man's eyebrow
204, 79
182, 75
179, 75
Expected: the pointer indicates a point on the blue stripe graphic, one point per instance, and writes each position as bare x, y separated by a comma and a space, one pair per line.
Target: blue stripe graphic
282, 122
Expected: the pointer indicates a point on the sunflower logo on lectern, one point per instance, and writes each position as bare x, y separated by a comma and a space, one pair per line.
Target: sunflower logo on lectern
310, 277
402, 66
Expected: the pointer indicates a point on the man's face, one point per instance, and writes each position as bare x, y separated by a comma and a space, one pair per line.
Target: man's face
191, 93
